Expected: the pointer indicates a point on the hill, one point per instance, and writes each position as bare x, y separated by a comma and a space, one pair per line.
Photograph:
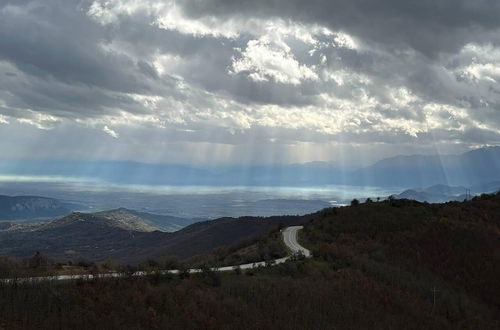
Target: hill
453, 247
149, 221
127, 238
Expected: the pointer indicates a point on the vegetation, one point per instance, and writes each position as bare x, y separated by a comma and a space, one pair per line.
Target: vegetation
123, 236
448, 252
268, 247
377, 265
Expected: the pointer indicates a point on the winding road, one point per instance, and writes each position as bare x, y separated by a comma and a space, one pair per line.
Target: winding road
289, 238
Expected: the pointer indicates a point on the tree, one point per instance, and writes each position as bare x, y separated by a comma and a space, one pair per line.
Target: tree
38, 261
108, 264
354, 202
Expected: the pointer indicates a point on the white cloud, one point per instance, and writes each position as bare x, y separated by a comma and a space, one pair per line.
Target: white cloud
167, 15
344, 40
3, 120
109, 11
263, 60
39, 120
110, 132
171, 17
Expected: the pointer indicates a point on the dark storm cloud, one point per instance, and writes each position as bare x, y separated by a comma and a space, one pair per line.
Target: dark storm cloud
66, 70
428, 26
53, 39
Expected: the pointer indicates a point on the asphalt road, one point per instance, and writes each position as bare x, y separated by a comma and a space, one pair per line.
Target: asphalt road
289, 238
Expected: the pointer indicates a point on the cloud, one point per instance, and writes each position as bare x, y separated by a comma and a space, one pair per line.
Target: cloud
3, 120
428, 26
270, 74
264, 60
110, 132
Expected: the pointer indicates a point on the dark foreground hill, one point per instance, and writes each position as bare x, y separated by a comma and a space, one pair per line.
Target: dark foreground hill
418, 247
124, 237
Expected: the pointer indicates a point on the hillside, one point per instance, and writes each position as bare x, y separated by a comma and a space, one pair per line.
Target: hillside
415, 247
153, 221
127, 239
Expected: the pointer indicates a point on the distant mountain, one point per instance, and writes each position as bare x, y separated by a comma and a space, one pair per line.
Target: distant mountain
474, 167
127, 239
414, 194
425, 196
443, 193
471, 168
31, 207
442, 189
180, 174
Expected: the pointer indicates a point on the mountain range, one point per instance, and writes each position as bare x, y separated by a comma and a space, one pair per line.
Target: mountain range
476, 167
441, 193
473, 167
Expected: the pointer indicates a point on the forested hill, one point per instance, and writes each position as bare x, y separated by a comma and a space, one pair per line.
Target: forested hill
417, 247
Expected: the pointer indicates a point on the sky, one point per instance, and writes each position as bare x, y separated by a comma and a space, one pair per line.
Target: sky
239, 82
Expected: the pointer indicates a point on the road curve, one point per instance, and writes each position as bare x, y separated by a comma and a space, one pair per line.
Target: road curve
289, 238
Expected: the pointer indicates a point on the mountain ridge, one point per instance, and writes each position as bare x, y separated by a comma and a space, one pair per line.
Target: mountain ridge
472, 167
